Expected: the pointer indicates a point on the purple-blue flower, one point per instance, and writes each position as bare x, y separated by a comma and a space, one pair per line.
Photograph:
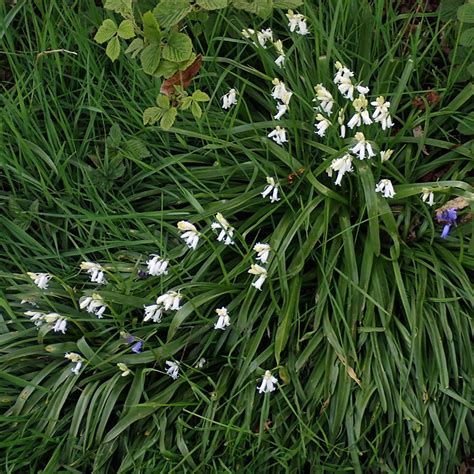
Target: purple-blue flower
448, 218
137, 347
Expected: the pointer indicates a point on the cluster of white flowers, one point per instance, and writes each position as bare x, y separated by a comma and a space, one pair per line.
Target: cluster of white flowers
54, 321
226, 233
268, 383
169, 301
157, 266
263, 37
173, 369
190, 234
41, 280
95, 271
297, 22
271, 189
93, 304
76, 359
263, 252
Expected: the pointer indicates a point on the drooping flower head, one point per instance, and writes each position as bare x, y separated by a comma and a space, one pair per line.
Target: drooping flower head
280, 92
361, 115
226, 233
157, 266
190, 234
93, 304
280, 61
447, 217
224, 318
342, 165
385, 155
386, 188
381, 113
54, 321
76, 359
95, 271
362, 148
229, 99
322, 125
263, 251
268, 383
40, 279
259, 271
123, 367
427, 196
173, 369
278, 135
297, 22
271, 187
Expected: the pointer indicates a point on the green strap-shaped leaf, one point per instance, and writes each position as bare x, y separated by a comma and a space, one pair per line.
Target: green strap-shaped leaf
106, 31
125, 29
212, 4
179, 48
113, 48
171, 12
150, 58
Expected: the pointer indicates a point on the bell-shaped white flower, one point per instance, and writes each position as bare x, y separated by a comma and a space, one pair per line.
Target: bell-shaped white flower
427, 196
278, 135
386, 188
173, 369
280, 92
201, 363
76, 359
362, 115
248, 33
40, 279
271, 188
263, 36
263, 251
385, 155
325, 99
342, 72
55, 321
280, 61
297, 22
170, 300
381, 113
123, 367
259, 271
157, 266
153, 312
95, 271
346, 88
229, 99
268, 383
342, 165
322, 125
190, 235
226, 233
223, 320
282, 108
93, 304
362, 148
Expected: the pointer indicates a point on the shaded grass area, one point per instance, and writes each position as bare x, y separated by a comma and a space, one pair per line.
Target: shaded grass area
366, 315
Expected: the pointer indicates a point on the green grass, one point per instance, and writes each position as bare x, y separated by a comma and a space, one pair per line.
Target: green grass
365, 317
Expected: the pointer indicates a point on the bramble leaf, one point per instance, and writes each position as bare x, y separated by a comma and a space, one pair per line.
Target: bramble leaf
125, 29
106, 31
171, 12
152, 115
123, 7
179, 48
200, 96
168, 118
163, 102
113, 48
287, 4
196, 110
151, 28
150, 58
212, 4
135, 47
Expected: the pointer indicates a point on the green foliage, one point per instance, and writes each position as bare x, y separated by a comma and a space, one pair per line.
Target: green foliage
106, 31
178, 48
372, 347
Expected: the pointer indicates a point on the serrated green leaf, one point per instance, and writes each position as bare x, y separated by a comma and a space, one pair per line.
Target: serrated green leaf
200, 96
467, 38
113, 48
212, 4
249, 7
163, 101
115, 136
264, 8
136, 148
150, 58
168, 118
185, 64
152, 115
179, 48
448, 9
151, 28
135, 47
287, 4
171, 12
106, 31
125, 29
166, 69
466, 13
186, 103
196, 110
123, 7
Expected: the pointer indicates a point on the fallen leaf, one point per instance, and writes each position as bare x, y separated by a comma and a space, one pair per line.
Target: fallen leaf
182, 78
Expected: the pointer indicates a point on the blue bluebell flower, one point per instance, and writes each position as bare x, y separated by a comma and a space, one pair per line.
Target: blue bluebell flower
137, 347
448, 218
